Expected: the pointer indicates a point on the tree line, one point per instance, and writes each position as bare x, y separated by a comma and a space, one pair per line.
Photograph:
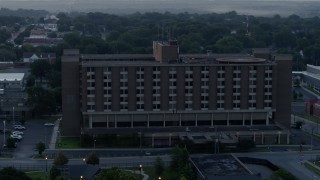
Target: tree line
196, 33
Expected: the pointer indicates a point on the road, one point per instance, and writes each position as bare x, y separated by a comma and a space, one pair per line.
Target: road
104, 162
291, 161
299, 107
15, 35
288, 160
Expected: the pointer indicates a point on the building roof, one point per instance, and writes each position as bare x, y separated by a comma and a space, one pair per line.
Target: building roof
312, 66
184, 59
86, 170
39, 55
218, 165
241, 60
11, 76
283, 57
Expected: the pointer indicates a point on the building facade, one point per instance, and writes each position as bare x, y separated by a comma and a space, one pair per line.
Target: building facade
103, 93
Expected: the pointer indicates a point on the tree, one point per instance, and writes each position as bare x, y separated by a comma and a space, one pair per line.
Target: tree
114, 174
42, 100
40, 147
54, 173
60, 159
158, 166
11, 173
40, 69
180, 165
92, 159
7, 55
11, 143
180, 157
228, 44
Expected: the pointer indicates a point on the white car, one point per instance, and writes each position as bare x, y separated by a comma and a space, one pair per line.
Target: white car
17, 132
19, 127
16, 136
48, 124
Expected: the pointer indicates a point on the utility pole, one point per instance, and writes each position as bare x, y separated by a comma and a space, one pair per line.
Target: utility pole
13, 115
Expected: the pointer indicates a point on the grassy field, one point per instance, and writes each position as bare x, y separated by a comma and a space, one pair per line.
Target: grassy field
39, 175
69, 142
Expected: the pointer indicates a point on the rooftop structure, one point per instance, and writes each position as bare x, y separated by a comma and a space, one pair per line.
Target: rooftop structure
220, 167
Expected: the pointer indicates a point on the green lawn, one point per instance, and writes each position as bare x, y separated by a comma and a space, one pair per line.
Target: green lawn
38, 175
311, 168
150, 172
69, 142
309, 117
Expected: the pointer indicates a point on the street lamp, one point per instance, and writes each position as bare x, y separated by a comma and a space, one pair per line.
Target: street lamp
13, 115
140, 139
46, 167
84, 160
140, 168
94, 144
159, 178
4, 133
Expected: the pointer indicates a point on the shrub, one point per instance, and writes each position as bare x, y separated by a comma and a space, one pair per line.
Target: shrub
60, 159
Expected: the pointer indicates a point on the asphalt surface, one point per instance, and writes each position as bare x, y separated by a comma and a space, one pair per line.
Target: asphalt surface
291, 161
34, 133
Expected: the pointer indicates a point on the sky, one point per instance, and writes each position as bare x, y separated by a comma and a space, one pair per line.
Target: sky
304, 8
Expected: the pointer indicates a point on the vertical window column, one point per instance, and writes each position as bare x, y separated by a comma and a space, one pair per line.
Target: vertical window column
90, 89
140, 89
236, 87
124, 89
204, 88
252, 86
172, 88
188, 87
268, 87
107, 84
156, 88
220, 87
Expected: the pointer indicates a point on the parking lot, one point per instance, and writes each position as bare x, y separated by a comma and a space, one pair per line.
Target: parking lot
35, 132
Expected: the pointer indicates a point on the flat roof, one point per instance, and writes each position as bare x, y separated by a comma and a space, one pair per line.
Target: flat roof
241, 60
11, 76
218, 165
312, 66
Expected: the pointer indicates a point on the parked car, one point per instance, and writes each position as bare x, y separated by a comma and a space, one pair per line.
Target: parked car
16, 137
17, 132
48, 124
19, 127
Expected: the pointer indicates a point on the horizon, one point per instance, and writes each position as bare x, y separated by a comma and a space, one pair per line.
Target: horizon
303, 8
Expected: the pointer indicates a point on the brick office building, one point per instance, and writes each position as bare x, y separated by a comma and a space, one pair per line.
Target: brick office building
168, 90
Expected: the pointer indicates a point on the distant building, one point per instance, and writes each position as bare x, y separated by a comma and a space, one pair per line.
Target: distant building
30, 57
309, 78
42, 41
171, 92
13, 97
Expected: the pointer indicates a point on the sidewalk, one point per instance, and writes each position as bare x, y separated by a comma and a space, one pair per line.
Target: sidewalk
318, 97
54, 135
145, 176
